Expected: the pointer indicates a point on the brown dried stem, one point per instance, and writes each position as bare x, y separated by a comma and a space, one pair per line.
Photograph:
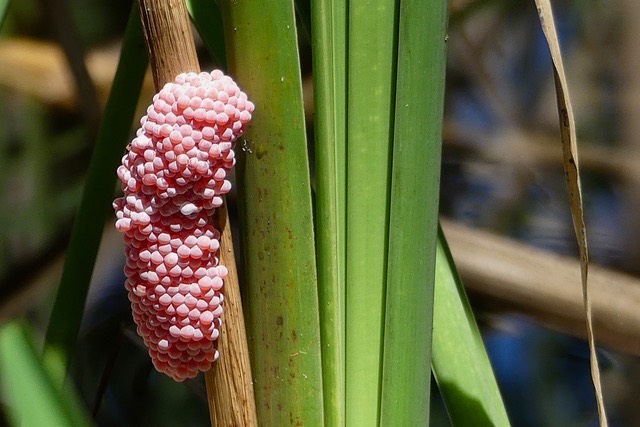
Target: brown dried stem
514, 277
229, 384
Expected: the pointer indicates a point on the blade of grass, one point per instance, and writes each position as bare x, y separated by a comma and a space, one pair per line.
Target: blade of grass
4, 6
60, 18
329, 33
572, 174
68, 307
207, 18
460, 363
406, 374
371, 85
279, 285
229, 382
34, 398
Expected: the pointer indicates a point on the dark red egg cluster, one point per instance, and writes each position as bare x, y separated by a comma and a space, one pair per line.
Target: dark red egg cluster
173, 176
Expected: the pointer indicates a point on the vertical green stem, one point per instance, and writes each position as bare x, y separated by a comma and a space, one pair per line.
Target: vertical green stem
371, 88
279, 286
406, 374
329, 32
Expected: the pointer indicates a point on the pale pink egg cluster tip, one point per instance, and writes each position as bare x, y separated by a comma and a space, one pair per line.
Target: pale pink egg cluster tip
173, 176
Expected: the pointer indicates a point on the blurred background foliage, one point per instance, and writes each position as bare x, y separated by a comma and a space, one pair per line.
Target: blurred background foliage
501, 172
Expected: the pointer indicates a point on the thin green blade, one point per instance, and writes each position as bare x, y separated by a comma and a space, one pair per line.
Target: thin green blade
406, 374
68, 307
207, 18
460, 363
329, 32
33, 399
4, 6
371, 85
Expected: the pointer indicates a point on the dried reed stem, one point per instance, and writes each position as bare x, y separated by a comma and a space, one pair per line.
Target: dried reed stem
229, 383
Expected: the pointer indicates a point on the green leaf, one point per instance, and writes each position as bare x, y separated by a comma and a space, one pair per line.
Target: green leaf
329, 33
371, 94
279, 286
461, 366
406, 373
207, 18
115, 128
33, 400
4, 6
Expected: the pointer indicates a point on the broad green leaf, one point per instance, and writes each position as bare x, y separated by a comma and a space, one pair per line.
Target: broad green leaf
279, 286
419, 106
371, 95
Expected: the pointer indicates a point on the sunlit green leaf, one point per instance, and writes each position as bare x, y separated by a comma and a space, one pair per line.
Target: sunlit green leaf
461, 366
406, 372
33, 399
279, 285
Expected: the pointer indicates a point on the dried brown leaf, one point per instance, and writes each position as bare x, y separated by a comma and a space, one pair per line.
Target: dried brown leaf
572, 173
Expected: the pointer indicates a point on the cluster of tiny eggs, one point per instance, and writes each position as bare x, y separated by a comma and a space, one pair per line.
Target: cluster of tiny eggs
173, 176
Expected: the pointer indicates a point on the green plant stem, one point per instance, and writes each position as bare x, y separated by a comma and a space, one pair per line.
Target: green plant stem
371, 92
329, 32
279, 285
460, 363
406, 374
68, 307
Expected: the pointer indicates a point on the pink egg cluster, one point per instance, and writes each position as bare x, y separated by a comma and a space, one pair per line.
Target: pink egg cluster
173, 177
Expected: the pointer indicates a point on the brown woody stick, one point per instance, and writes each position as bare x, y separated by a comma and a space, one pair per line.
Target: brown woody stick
515, 277
229, 384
